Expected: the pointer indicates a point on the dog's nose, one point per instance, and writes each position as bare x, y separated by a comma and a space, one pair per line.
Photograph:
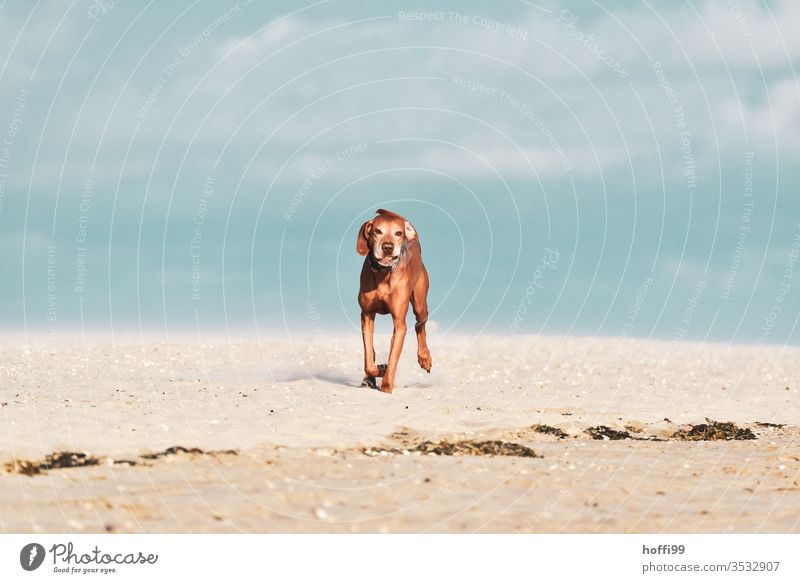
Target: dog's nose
387, 248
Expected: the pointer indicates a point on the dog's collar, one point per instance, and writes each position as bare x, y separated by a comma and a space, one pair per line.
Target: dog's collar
373, 263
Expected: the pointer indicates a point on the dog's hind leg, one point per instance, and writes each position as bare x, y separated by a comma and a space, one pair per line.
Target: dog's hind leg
419, 303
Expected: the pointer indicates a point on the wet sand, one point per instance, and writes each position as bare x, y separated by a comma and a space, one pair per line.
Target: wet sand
224, 435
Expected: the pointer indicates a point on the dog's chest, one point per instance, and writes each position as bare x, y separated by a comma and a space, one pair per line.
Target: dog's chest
383, 290
384, 294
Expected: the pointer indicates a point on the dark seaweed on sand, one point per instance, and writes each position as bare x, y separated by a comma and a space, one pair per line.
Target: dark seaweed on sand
492, 447
71, 459
549, 430
603, 432
53, 461
179, 449
714, 431
459, 448
174, 450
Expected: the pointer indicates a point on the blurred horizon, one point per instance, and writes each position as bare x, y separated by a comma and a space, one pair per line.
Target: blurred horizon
616, 170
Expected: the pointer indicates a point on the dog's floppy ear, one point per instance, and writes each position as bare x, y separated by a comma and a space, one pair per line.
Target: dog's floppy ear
362, 245
411, 232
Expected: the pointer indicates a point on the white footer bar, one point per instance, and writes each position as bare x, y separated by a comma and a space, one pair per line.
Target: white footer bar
401, 558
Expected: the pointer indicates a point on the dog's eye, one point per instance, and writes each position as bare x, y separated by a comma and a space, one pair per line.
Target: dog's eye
398, 233
378, 232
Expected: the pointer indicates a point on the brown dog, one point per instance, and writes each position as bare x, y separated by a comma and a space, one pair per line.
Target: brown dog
392, 277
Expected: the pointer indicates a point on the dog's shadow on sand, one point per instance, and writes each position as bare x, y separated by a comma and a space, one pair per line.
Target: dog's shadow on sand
335, 379
324, 376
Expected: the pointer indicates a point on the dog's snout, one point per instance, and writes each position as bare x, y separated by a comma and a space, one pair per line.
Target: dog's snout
387, 248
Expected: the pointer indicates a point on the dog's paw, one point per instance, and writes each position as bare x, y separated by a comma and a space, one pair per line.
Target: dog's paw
425, 361
386, 387
377, 370
369, 382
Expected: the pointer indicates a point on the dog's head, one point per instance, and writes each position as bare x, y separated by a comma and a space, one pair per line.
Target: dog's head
385, 237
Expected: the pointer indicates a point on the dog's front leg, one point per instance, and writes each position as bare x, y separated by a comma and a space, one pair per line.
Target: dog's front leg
368, 335
398, 336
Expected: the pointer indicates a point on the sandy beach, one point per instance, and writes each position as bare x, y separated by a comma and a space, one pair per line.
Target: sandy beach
507, 434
